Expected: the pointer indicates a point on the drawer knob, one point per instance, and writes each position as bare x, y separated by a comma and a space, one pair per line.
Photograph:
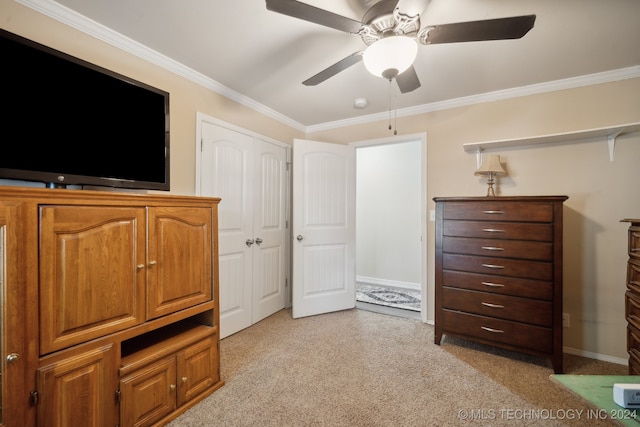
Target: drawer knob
493, 266
493, 285
492, 248
496, 331
488, 304
493, 212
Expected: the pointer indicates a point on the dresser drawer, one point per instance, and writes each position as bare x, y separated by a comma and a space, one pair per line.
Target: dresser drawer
507, 307
525, 288
634, 242
488, 329
499, 230
542, 251
633, 344
537, 270
633, 276
499, 211
632, 309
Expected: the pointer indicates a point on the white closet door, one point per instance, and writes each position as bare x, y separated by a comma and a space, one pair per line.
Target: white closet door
227, 173
269, 229
250, 176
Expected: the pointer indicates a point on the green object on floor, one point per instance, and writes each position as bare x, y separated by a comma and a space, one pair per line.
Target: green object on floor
598, 391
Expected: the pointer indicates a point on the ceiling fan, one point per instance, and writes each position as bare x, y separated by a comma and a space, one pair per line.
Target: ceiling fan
392, 32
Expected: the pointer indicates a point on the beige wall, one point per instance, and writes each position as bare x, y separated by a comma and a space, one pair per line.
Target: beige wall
600, 192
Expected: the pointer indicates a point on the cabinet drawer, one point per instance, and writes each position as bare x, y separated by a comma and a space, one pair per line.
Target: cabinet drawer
489, 329
634, 242
632, 309
633, 276
525, 288
499, 230
537, 270
499, 211
500, 306
524, 249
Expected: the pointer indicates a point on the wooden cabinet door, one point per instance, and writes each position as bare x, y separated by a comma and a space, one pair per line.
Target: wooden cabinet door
91, 280
197, 368
179, 273
79, 390
17, 342
147, 395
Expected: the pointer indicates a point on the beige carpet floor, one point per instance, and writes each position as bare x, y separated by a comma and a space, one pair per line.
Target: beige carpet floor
359, 368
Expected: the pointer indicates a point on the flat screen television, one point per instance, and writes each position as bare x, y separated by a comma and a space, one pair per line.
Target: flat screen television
65, 121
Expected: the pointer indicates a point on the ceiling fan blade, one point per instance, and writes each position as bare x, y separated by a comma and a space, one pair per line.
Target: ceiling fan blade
491, 29
408, 81
313, 14
331, 71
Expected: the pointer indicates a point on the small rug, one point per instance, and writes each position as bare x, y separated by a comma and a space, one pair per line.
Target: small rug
406, 299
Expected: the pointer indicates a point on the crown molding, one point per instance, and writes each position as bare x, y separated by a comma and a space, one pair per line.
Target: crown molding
80, 22
535, 89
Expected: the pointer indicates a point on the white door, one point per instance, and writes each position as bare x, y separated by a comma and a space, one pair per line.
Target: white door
269, 229
323, 236
249, 175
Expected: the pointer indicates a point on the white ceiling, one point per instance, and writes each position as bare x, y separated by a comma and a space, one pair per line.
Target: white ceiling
264, 56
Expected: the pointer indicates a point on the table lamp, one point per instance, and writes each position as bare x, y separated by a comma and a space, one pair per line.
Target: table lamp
491, 167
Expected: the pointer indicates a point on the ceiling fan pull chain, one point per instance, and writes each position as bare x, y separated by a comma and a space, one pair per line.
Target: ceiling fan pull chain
390, 104
395, 113
395, 124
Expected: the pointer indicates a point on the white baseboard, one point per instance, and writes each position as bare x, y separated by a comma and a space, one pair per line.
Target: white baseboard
596, 356
389, 283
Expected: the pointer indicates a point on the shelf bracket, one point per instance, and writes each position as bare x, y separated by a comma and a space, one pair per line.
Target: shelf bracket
478, 158
611, 140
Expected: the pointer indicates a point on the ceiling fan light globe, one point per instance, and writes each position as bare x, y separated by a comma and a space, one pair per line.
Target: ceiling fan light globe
395, 53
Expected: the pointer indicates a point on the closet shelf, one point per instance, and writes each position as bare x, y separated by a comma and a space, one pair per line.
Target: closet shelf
611, 133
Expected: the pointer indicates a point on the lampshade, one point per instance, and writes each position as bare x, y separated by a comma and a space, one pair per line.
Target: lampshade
491, 166
390, 56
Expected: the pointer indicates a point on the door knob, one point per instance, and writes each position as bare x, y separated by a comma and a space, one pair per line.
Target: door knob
258, 240
299, 237
12, 357
249, 242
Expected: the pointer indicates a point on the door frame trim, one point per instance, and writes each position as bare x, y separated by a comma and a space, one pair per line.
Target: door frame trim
424, 214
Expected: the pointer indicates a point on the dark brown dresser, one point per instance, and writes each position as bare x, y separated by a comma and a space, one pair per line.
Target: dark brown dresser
498, 272
632, 297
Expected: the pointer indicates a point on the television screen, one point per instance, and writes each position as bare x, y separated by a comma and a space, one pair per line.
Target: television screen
66, 121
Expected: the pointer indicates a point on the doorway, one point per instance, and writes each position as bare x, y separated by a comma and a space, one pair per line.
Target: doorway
390, 227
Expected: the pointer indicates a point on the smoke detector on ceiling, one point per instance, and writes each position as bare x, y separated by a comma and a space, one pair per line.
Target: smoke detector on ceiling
360, 103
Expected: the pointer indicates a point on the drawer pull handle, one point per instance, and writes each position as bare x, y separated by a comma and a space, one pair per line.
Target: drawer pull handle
493, 285
493, 212
492, 266
493, 230
488, 304
497, 331
492, 248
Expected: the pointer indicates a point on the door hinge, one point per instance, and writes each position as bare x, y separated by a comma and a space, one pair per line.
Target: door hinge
118, 394
34, 397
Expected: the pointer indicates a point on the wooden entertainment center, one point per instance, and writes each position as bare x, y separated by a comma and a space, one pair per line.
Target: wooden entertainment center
110, 311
